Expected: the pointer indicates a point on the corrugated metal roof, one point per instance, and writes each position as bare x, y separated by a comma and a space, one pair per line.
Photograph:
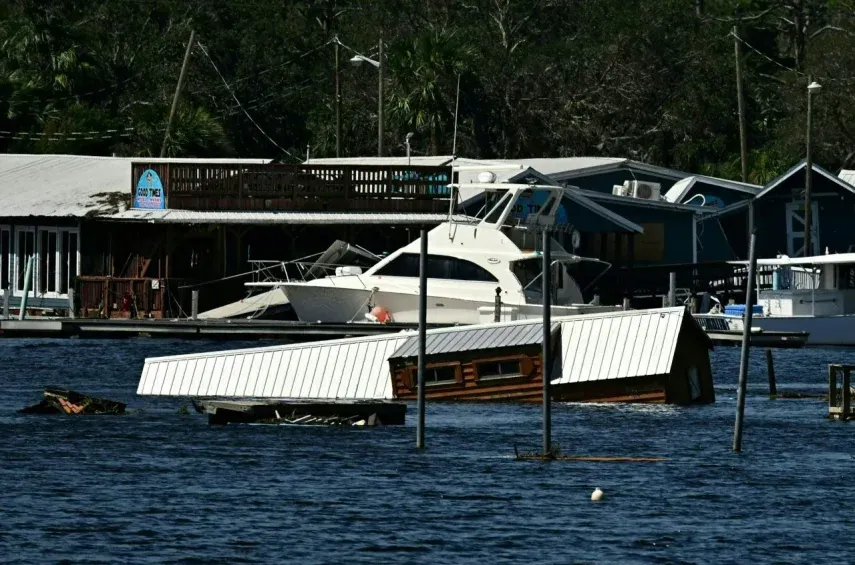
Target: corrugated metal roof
347, 369
70, 185
593, 347
470, 338
847, 175
619, 345
322, 218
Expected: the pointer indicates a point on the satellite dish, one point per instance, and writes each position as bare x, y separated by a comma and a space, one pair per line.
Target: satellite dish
487, 177
575, 239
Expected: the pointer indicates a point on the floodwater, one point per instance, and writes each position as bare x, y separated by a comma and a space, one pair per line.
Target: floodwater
156, 486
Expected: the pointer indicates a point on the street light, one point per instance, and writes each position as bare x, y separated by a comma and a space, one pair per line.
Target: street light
407, 143
356, 61
813, 88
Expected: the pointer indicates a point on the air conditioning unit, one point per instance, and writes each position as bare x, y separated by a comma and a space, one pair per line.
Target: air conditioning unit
619, 190
644, 190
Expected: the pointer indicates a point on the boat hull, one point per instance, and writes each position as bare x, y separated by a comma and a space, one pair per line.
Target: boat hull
838, 331
315, 303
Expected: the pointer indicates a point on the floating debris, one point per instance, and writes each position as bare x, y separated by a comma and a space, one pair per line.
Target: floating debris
291, 413
597, 495
64, 401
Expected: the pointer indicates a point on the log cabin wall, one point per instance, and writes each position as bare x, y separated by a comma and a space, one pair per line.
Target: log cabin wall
497, 375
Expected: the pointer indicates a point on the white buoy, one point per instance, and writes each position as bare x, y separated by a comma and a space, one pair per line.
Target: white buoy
597, 494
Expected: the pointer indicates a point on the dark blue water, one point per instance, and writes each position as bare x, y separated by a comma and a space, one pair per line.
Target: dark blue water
161, 487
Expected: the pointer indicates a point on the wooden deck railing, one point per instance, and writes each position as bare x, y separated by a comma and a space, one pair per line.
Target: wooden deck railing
191, 186
110, 297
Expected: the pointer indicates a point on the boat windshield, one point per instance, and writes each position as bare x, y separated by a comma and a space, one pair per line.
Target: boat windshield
528, 271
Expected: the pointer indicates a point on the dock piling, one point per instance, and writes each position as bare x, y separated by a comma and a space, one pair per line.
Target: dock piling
546, 364
420, 426
195, 304
770, 366
71, 310
672, 289
840, 402
7, 302
746, 344
28, 275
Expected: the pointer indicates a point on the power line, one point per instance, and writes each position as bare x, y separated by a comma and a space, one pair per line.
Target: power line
229, 88
790, 69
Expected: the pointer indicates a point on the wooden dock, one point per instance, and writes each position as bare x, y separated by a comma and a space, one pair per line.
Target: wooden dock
191, 329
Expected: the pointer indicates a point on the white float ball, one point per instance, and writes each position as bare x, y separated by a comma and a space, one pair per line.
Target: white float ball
597, 494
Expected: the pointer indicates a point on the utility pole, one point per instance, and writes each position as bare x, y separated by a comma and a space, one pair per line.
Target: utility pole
812, 88
740, 97
177, 91
337, 102
380, 98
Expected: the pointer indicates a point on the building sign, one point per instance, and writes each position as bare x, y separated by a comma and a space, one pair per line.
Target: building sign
149, 193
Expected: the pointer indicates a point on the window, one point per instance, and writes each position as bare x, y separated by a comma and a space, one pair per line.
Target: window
47, 261
438, 267
499, 369
5, 256
440, 375
67, 260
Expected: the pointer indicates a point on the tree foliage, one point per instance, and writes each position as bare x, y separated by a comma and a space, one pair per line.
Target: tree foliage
651, 80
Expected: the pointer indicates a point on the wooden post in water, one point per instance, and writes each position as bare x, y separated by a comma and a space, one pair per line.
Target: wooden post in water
420, 426
770, 366
194, 304
7, 302
846, 391
72, 313
672, 289
28, 275
546, 361
497, 308
746, 344
832, 385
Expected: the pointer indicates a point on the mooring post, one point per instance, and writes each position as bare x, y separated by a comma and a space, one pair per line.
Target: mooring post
546, 361
832, 387
770, 366
194, 301
625, 305
672, 289
746, 344
7, 302
420, 426
846, 391
22, 312
497, 308
71, 310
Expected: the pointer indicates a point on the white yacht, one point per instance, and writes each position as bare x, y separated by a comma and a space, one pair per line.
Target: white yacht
468, 259
808, 294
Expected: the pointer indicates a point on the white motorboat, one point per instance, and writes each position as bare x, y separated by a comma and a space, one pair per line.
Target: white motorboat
265, 298
808, 294
469, 260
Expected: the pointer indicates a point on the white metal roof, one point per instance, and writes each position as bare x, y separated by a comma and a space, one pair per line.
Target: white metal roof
344, 369
619, 345
593, 347
305, 218
847, 175
435, 161
71, 185
470, 338
682, 187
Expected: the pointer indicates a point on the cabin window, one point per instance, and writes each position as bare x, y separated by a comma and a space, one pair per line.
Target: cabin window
436, 375
496, 207
499, 369
5, 256
438, 267
650, 245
